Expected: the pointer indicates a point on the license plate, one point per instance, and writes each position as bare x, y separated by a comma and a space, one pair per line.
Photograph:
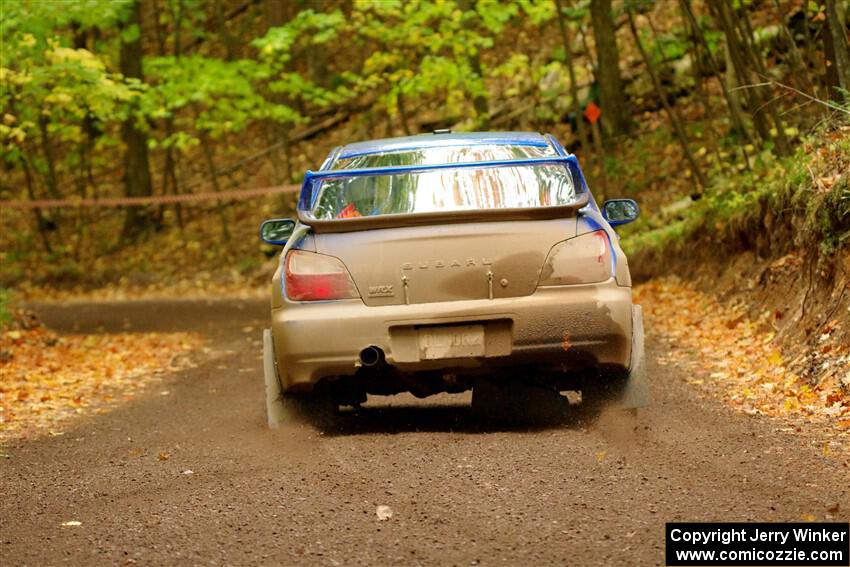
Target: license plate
451, 342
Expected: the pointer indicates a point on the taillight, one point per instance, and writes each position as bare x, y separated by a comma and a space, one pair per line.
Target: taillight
580, 260
316, 277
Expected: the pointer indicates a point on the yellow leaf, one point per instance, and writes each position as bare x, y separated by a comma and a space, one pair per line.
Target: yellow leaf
775, 358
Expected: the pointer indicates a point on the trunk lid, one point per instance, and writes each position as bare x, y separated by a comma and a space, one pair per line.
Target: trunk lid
446, 262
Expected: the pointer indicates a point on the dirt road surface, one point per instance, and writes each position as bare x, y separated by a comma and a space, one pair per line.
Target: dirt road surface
461, 492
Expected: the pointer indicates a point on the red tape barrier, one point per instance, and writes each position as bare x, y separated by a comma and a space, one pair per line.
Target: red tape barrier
234, 195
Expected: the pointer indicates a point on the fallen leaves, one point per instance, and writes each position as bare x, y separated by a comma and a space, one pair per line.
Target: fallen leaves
731, 358
47, 379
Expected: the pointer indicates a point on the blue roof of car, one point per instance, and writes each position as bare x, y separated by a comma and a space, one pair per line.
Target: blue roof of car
441, 140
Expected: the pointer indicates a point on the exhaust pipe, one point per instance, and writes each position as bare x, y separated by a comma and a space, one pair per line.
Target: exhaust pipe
371, 356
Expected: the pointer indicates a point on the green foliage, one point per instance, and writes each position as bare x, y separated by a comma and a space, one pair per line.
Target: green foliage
221, 96
319, 28
212, 74
43, 18
277, 48
62, 102
538, 13
833, 218
49, 88
5, 307
55, 95
422, 48
737, 205
665, 47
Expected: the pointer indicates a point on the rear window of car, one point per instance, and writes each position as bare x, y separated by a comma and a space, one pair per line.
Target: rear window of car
443, 154
460, 189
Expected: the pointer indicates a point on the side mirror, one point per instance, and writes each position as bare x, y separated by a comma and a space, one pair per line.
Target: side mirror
276, 231
620, 211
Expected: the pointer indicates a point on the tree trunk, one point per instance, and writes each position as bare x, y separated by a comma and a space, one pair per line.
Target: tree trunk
47, 149
566, 40
796, 57
738, 54
783, 147
838, 33
175, 8
671, 113
699, 72
277, 14
402, 114
137, 176
169, 174
227, 38
615, 115
41, 222
206, 146
479, 100
830, 75
809, 51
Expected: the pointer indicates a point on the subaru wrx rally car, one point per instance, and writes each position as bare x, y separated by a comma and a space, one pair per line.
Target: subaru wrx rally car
443, 262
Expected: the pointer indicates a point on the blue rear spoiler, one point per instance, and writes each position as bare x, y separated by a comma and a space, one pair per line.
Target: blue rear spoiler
308, 194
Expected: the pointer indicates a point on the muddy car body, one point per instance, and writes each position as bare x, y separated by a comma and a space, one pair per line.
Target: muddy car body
428, 263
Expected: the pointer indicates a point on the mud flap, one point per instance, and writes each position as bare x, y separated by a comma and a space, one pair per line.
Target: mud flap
275, 410
635, 391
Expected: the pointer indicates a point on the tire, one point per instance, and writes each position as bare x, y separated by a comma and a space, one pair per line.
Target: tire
635, 390
317, 407
628, 392
275, 411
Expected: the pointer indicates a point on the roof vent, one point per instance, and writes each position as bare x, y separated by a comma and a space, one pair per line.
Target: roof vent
443, 131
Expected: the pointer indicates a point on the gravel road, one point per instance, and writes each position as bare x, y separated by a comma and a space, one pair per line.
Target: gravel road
461, 492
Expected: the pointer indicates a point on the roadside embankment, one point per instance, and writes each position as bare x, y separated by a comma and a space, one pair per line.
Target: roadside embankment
754, 280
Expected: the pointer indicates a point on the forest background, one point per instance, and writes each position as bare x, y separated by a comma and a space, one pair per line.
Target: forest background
710, 113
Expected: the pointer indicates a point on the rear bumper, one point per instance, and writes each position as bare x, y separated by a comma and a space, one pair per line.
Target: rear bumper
567, 327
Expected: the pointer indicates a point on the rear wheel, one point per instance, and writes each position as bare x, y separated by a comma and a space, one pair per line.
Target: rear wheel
317, 407
628, 391
275, 410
